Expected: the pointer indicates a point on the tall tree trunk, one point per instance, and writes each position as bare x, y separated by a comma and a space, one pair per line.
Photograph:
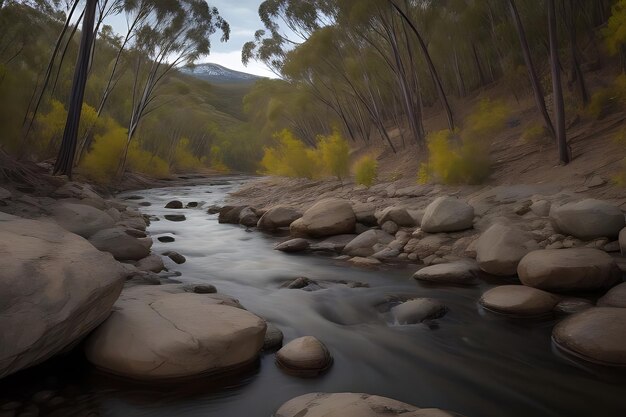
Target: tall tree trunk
532, 73
48, 74
557, 92
431, 66
577, 74
67, 152
479, 68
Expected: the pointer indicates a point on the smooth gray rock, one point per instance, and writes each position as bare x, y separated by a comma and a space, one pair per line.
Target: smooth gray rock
500, 249
247, 217
293, 245
417, 310
305, 356
616, 297
390, 227
622, 241
152, 263
82, 219
353, 405
398, 215
577, 269
121, 245
273, 338
588, 219
461, 272
156, 334
363, 244
447, 214
176, 257
541, 208
277, 217
519, 301
365, 213
595, 335
327, 217
174, 204
56, 288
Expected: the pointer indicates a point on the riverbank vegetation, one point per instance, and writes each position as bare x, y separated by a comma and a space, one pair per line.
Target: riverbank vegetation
439, 81
402, 75
139, 113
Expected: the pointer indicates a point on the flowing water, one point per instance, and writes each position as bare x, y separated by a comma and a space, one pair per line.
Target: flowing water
470, 361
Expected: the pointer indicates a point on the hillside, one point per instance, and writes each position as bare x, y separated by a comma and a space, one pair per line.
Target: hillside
217, 74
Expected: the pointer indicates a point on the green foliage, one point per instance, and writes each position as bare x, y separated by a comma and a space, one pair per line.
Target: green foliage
290, 158
184, 160
615, 31
216, 159
490, 118
335, 154
102, 162
366, 170
462, 157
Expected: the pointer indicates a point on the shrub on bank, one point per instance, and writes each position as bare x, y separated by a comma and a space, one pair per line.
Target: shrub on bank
102, 162
290, 157
366, 171
335, 154
462, 156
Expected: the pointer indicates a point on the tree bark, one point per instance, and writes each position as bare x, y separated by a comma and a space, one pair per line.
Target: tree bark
577, 74
67, 152
431, 66
532, 73
557, 92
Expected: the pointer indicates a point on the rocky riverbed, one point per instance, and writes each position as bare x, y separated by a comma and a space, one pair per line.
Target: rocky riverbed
485, 301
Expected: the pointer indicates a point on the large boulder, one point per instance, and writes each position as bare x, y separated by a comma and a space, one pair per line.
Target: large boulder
277, 217
248, 218
353, 405
364, 244
461, 272
365, 213
500, 249
588, 219
305, 356
596, 335
154, 333
616, 297
121, 245
519, 300
230, 214
398, 215
332, 216
576, 269
82, 219
56, 288
447, 214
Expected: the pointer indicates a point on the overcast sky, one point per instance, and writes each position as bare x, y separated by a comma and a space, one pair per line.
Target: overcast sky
243, 17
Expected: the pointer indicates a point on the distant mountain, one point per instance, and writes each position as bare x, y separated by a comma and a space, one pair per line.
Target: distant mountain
218, 74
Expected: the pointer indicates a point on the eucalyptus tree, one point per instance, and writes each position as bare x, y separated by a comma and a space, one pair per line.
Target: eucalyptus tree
177, 35
51, 8
557, 92
65, 159
532, 72
431, 66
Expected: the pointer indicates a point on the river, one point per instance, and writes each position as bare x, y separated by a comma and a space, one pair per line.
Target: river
470, 361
